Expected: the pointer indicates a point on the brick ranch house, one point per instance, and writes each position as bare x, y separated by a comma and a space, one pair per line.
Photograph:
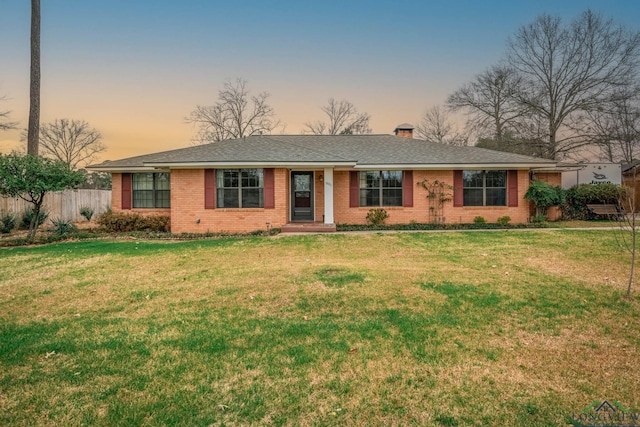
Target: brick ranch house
282, 181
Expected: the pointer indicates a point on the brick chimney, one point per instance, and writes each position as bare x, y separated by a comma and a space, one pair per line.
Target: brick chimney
404, 130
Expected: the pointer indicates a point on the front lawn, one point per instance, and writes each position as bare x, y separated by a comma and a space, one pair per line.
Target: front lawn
466, 328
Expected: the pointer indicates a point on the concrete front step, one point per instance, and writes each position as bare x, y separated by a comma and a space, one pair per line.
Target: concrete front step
308, 227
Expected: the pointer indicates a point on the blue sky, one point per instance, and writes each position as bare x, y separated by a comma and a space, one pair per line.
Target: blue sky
135, 69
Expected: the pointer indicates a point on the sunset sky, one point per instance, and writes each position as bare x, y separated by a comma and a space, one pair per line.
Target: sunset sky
135, 69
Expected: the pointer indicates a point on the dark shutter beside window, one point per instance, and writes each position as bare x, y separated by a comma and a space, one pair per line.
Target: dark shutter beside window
354, 189
458, 189
126, 191
209, 188
269, 188
407, 189
512, 187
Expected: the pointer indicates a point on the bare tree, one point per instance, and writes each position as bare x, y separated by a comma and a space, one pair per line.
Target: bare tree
570, 69
5, 123
343, 119
615, 128
73, 142
513, 143
436, 126
235, 115
490, 102
34, 87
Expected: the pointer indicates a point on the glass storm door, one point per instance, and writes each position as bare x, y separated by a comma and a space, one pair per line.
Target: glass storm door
301, 196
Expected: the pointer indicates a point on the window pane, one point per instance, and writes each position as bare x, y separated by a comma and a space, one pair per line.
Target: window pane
390, 182
228, 198
163, 199
240, 188
369, 197
252, 178
143, 190
392, 197
473, 197
142, 198
302, 183
219, 178
472, 179
230, 178
392, 179
151, 190
496, 197
143, 181
162, 181
370, 179
496, 179
252, 198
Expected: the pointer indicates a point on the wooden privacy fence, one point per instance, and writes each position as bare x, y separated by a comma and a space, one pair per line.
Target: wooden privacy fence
63, 204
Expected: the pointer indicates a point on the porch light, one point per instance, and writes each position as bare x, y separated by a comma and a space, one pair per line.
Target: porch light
320, 178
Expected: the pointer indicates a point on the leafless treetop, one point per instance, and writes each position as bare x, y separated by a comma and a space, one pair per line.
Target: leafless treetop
436, 126
490, 102
569, 69
342, 118
71, 141
235, 115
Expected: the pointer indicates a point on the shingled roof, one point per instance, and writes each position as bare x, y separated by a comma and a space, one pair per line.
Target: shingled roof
357, 151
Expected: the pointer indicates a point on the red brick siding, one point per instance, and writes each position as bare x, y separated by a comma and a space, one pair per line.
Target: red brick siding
187, 205
188, 195
343, 214
552, 178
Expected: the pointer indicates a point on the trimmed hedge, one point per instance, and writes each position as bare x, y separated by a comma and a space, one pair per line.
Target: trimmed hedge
117, 222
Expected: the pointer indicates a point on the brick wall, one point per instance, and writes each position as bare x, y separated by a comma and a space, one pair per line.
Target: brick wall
187, 204
405, 133
116, 192
551, 178
419, 212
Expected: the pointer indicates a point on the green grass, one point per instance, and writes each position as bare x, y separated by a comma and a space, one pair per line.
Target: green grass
454, 329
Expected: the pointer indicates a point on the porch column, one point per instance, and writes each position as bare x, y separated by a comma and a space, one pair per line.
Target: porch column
328, 195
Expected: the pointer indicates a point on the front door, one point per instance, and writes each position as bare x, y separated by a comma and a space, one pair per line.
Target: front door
302, 196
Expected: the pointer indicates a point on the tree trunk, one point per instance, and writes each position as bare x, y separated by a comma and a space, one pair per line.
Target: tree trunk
34, 107
552, 149
634, 232
33, 225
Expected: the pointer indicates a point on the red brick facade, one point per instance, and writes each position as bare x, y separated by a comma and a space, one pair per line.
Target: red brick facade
188, 212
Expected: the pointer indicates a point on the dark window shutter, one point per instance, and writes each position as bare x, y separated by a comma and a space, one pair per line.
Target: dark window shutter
354, 189
209, 188
458, 189
407, 189
512, 184
269, 189
126, 191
